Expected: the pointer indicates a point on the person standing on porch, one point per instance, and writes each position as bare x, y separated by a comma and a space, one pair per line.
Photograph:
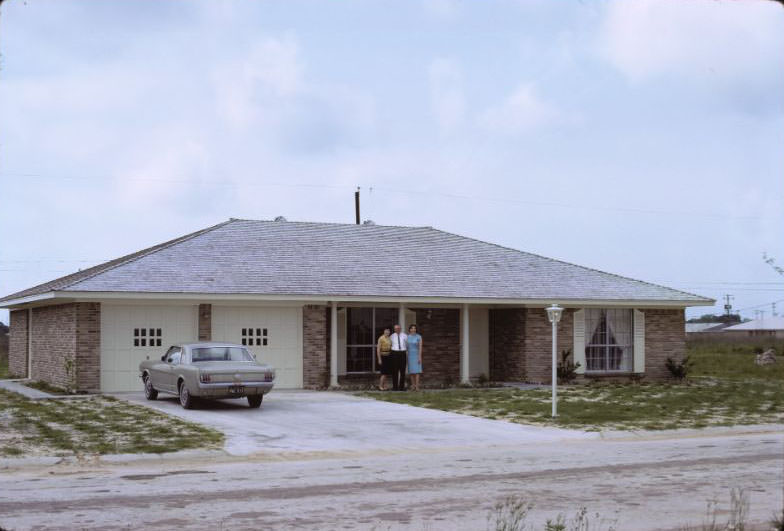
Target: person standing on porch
414, 342
398, 358
383, 351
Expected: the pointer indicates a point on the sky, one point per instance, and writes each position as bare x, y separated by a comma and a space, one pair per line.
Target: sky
643, 138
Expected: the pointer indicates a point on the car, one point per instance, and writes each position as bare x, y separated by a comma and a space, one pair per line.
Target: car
207, 370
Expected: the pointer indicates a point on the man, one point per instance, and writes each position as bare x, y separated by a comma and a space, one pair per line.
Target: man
399, 346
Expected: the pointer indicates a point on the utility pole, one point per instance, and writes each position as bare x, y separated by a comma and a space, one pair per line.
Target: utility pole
727, 304
773, 309
356, 204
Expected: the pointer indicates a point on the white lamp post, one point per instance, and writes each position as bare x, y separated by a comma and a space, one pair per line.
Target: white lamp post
554, 315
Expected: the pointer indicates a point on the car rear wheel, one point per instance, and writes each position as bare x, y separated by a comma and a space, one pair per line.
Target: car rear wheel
186, 400
254, 401
149, 391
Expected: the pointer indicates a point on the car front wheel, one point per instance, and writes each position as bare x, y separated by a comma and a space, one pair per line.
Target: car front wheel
254, 401
149, 391
186, 400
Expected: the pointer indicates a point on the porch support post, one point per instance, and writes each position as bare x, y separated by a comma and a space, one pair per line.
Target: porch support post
333, 345
464, 373
401, 317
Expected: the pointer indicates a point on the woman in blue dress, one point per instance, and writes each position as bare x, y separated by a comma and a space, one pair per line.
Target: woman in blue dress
414, 357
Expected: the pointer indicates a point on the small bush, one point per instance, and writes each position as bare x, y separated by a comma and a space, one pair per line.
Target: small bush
679, 369
567, 370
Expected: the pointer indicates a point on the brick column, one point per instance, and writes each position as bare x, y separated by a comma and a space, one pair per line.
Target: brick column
315, 340
18, 342
205, 322
440, 329
88, 347
539, 342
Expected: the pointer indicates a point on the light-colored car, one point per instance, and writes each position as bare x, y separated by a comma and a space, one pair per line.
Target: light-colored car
207, 370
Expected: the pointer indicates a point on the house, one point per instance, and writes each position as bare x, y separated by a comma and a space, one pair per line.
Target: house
696, 329
770, 328
311, 298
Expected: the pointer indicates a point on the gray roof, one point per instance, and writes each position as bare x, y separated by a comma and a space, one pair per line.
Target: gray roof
325, 259
770, 323
693, 328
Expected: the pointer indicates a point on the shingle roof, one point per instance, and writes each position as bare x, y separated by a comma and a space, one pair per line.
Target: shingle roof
323, 259
770, 323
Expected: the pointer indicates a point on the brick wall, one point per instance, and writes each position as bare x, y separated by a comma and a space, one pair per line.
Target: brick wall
205, 322
507, 343
539, 343
88, 346
315, 351
440, 330
665, 337
17, 347
54, 344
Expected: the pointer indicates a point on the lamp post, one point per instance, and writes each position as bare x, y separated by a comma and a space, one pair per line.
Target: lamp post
554, 315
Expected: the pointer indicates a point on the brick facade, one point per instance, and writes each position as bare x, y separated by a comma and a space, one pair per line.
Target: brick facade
507, 344
539, 342
440, 330
665, 337
17, 345
205, 322
54, 345
65, 345
315, 347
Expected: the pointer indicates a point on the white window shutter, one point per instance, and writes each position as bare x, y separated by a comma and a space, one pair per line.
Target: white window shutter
578, 354
639, 341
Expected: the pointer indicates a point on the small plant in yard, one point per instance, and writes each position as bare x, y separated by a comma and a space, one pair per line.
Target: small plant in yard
736, 521
567, 369
509, 514
679, 369
777, 522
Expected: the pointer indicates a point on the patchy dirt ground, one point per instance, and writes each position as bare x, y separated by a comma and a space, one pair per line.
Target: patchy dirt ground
636, 484
93, 425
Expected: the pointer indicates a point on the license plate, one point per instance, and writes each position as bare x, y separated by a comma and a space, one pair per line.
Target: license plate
236, 389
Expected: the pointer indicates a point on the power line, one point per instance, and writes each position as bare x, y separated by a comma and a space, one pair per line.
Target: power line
506, 200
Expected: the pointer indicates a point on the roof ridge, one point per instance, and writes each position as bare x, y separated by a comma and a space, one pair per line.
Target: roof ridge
98, 269
333, 223
571, 264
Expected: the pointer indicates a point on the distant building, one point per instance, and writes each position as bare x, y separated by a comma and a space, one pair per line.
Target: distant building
772, 327
701, 328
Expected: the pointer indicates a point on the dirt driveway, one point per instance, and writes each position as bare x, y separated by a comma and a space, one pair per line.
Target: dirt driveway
311, 421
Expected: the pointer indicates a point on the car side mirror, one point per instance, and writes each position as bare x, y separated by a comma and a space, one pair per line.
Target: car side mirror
163, 358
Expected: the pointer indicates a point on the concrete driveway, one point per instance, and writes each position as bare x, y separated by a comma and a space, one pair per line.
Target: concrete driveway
331, 422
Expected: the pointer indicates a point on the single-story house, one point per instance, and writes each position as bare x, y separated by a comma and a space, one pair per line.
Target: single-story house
769, 328
311, 298
695, 329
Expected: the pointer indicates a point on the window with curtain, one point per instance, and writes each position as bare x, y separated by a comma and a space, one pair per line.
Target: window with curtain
609, 341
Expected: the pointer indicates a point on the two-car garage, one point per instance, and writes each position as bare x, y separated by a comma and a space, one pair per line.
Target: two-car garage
131, 333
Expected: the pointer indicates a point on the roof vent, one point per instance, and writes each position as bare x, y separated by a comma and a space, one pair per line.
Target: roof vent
280, 218
368, 222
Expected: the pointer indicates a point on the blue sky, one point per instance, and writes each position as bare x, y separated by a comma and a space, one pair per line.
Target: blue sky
637, 137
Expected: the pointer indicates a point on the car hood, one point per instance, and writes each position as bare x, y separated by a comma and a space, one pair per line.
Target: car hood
230, 366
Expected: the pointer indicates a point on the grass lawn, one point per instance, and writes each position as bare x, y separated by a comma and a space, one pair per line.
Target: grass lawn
726, 389
4, 374
93, 425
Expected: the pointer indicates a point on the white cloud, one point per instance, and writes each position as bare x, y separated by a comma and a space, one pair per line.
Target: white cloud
446, 94
731, 40
523, 110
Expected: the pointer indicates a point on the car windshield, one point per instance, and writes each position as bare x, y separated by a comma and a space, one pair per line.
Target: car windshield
220, 354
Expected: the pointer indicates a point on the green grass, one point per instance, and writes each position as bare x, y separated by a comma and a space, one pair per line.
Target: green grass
726, 389
733, 362
46, 387
94, 425
4, 372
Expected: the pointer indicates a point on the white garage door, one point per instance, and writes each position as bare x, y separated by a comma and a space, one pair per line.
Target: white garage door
131, 334
274, 335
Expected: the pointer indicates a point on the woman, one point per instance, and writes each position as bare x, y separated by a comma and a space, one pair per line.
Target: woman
383, 349
414, 357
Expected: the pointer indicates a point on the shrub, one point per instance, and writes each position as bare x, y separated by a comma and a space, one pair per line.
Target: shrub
679, 369
567, 369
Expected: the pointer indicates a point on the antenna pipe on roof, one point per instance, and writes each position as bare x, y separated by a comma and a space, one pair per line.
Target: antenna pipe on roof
356, 204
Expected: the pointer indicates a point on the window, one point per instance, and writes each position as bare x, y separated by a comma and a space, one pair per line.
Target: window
609, 342
364, 325
254, 337
220, 354
147, 337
